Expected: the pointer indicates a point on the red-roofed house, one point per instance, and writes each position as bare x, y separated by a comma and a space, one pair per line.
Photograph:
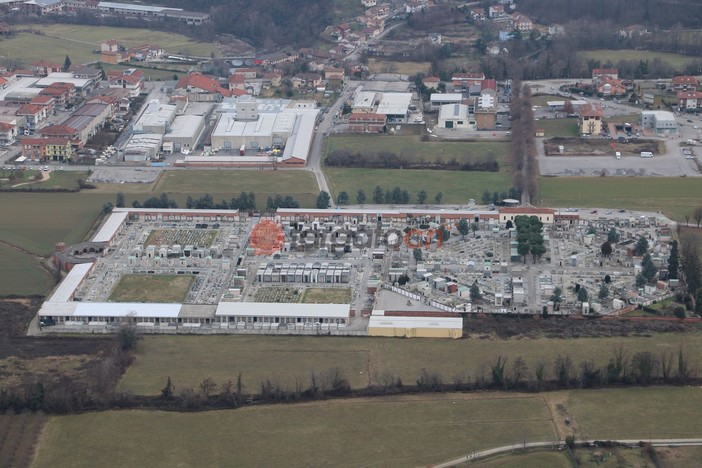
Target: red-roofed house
46, 102
591, 119
684, 83
47, 148
43, 68
102, 99
61, 131
8, 133
145, 52
478, 14
110, 45
237, 81
431, 82
113, 57
131, 79
334, 73
3, 82
598, 73
273, 79
199, 87
63, 93
488, 84
34, 115
607, 86
362, 122
522, 23
689, 100
497, 11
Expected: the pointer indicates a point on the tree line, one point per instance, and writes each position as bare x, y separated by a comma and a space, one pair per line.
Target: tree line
523, 147
388, 160
500, 373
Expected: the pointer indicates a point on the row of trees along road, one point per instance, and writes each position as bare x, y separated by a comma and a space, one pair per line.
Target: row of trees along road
523, 149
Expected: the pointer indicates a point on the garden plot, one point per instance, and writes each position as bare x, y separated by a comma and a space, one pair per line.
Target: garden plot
275, 294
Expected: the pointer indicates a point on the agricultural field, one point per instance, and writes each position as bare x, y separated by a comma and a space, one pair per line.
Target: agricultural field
551, 459
414, 149
19, 434
632, 413
679, 457
79, 41
326, 296
188, 359
457, 186
403, 68
21, 273
152, 288
673, 196
223, 184
400, 431
559, 127
36, 221
676, 61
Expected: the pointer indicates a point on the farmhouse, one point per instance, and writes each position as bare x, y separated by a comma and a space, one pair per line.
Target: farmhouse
591, 119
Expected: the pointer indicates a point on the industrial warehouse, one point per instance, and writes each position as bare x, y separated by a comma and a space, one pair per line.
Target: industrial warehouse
357, 272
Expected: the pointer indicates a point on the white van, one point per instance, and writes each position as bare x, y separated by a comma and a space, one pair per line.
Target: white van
618, 155
646, 154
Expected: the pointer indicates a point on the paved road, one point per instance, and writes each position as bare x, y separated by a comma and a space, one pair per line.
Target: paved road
509, 448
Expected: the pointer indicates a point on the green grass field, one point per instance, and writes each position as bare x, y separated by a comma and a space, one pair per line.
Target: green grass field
385, 431
152, 288
36, 221
413, 148
632, 413
675, 60
406, 431
674, 196
457, 186
188, 359
223, 184
558, 127
78, 42
21, 273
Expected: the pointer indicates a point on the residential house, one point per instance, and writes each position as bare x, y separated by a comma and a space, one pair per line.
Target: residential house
47, 148
103, 99
556, 30
496, 12
145, 52
34, 115
110, 45
684, 83
369, 3
62, 131
273, 79
43, 68
431, 82
465, 81
689, 100
365, 122
237, 81
8, 133
598, 73
47, 102
130, 79
378, 11
113, 57
478, 14
633, 31
414, 6
331, 73
522, 23
607, 86
247, 73
591, 119
307, 80
85, 72
3, 82
199, 87
63, 93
